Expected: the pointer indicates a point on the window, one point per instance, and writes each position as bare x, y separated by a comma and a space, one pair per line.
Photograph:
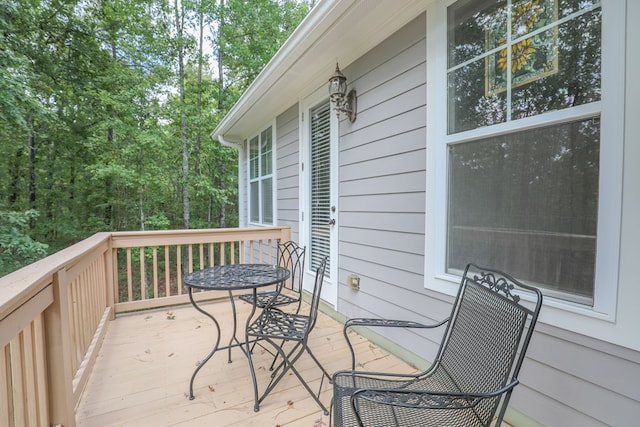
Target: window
527, 202
261, 178
523, 143
548, 58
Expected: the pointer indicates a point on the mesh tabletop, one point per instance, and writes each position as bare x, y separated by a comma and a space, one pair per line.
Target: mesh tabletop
236, 276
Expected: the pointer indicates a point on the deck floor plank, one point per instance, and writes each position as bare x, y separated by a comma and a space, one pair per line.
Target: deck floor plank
141, 376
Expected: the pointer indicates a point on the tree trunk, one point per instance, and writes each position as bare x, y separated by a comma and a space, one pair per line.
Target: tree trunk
199, 106
221, 94
32, 171
14, 186
179, 15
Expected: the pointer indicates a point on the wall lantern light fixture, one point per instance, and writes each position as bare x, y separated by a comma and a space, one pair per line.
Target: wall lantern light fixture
337, 90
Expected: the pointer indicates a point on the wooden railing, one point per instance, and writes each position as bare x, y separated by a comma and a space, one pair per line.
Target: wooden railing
54, 313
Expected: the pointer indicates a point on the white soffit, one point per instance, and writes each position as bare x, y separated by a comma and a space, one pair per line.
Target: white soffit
334, 31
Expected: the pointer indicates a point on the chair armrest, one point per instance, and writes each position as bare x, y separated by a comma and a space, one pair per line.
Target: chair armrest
389, 376
385, 323
361, 321
423, 399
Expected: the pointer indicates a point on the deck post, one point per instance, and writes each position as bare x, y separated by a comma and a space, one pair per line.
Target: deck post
111, 278
286, 234
57, 335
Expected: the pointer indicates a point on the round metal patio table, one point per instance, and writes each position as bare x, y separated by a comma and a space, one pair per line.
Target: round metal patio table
232, 277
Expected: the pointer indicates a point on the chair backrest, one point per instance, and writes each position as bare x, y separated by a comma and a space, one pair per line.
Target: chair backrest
487, 337
317, 291
292, 256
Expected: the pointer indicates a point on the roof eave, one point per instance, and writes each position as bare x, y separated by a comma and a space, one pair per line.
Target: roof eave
334, 30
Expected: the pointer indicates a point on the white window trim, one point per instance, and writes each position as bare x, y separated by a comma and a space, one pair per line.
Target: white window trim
274, 178
558, 312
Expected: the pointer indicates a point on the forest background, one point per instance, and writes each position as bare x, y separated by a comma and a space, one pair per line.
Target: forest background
106, 107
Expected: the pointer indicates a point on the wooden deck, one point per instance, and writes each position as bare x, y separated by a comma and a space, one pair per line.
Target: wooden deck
141, 376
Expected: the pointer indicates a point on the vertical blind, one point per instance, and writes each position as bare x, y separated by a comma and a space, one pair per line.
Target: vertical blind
320, 170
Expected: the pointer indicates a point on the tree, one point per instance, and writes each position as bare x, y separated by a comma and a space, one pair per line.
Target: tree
105, 108
17, 248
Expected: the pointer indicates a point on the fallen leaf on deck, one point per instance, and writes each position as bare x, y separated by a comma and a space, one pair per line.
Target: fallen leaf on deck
211, 389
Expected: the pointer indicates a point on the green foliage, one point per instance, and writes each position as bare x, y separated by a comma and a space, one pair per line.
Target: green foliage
252, 32
17, 249
93, 128
157, 222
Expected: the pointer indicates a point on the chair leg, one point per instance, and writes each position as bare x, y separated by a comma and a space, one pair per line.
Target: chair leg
285, 365
306, 348
280, 351
315, 396
275, 358
256, 406
324, 371
288, 361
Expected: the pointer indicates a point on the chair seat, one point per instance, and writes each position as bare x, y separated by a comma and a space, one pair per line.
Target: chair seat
346, 383
278, 324
263, 298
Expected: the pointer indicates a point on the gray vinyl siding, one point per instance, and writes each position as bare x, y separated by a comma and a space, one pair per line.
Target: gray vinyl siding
288, 171
574, 380
382, 176
567, 379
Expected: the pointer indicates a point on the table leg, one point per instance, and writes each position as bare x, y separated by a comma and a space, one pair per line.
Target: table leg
256, 406
235, 326
215, 347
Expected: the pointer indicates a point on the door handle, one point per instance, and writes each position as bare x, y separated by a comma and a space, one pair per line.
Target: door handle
332, 222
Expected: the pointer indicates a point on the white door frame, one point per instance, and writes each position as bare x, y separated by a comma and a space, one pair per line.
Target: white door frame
330, 286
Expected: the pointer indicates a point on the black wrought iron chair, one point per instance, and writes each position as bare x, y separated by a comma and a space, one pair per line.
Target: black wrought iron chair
475, 369
291, 256
276, 327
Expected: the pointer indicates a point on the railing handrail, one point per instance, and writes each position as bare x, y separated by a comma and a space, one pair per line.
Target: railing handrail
168, 237
21, 285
